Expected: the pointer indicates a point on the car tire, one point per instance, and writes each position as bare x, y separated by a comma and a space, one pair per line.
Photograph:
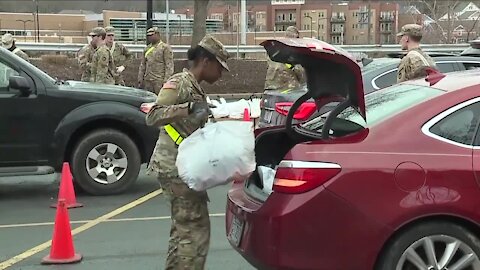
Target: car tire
102, 156
417, 238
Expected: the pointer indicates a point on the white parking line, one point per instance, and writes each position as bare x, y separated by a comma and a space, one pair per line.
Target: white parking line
28, 253
23, 225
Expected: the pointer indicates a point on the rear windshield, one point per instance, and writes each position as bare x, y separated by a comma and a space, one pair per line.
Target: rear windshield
383, 104
389, 102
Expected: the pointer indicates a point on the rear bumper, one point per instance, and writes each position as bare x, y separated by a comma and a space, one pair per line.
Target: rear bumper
314, 230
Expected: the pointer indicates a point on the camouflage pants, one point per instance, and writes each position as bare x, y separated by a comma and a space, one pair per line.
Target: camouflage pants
190, 231
119, 80
153, 86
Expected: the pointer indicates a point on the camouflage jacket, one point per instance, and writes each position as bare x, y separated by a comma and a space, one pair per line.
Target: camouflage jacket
21, 53
411, 63
282, 76
121, 55
84, 57
172, 108
157, 63
102, 68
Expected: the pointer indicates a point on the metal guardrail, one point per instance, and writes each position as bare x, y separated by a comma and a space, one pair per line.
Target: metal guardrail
138, 48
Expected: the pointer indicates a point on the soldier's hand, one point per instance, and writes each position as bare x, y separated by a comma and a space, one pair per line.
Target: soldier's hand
200, 109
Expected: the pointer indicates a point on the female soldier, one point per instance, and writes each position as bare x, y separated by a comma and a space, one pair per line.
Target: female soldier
181, 108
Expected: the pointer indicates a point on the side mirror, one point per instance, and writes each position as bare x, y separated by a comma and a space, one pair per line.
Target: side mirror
21, 84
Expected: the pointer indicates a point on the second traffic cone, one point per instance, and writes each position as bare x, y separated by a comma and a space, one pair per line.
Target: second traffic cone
62, 250
246, 115
66, 189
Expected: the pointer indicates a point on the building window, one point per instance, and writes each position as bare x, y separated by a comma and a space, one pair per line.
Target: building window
291, 17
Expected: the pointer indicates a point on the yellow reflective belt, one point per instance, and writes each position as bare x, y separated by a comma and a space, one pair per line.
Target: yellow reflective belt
289, 66
174, 135
149, 51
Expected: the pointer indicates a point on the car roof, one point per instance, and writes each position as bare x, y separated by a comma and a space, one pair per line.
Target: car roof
453, 80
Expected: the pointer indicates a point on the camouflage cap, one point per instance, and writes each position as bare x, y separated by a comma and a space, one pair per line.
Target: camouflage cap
414, 30
97, 31
110, 30
215, 47
292, 32
7, 41
153, 30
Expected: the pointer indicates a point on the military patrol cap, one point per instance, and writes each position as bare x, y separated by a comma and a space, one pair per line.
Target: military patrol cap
412, 30
292, 31
216, 48
153, 30
110, 30
97, 31
7, 41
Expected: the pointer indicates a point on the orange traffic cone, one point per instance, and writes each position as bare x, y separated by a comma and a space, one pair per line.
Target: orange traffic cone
66, 189
246, 115
62, 251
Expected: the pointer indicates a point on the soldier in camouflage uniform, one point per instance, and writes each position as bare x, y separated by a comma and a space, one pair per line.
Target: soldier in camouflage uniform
282, 76
181, 105
85, 54
8, 42
121, 55
102, 67
416, 60
157, 63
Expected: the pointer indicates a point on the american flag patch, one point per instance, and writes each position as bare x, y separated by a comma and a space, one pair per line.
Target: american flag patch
170, 85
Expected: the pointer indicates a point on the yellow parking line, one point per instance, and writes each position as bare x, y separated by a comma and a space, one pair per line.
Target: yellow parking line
23, 225
90, 224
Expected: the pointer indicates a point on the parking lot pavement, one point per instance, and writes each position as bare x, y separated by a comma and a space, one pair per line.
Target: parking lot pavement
136, 238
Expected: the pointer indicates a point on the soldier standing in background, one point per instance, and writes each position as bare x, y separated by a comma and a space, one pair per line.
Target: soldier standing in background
8, 42
414, 63
121, 55
102, 67
85, 55
157, 63
181, 108
282, 76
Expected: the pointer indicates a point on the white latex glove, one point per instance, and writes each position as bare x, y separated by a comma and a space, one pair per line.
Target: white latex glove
120, 69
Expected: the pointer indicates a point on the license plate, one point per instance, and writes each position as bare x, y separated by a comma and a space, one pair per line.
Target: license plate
268, 116
236, 231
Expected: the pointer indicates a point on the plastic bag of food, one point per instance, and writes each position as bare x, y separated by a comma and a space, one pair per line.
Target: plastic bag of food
217, 154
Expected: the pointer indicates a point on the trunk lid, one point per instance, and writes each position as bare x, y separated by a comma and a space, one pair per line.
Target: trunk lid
332, 76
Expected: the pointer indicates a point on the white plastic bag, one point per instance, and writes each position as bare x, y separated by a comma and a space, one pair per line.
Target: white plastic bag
217, 154
267, 175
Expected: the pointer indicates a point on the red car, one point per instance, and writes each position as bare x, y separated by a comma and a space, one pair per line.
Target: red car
398, 193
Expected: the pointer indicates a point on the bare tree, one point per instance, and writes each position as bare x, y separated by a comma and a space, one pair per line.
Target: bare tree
199, 20
473, 25
436, 9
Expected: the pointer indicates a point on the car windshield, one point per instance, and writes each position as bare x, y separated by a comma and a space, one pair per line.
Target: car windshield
37, 70
383, 104
377, 63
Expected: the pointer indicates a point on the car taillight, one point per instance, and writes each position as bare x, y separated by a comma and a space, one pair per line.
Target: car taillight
146, 107
302, 176
303, 112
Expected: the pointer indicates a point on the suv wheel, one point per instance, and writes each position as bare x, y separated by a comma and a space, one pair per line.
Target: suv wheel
105, 162
433, 246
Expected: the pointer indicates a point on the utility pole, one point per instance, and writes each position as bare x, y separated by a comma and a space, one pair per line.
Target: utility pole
149, 13
243, 22
369, 21
168, 23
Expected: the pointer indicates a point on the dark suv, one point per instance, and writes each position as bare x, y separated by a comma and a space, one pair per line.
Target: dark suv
99, 129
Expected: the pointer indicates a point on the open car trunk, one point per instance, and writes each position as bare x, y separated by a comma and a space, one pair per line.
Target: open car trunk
332, 76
